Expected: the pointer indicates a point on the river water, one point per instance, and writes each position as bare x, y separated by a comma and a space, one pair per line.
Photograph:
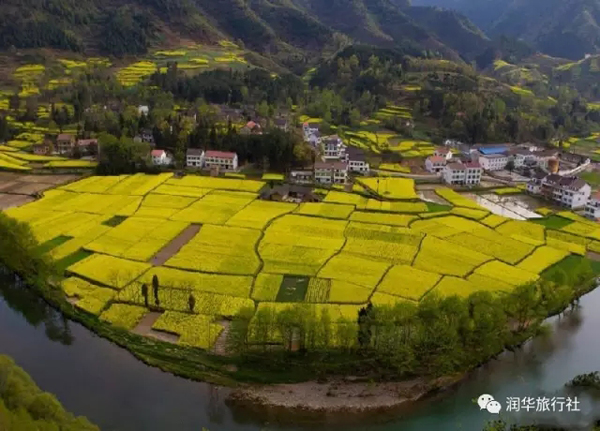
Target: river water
97, 379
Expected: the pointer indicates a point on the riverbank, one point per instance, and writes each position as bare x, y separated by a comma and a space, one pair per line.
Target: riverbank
340, 395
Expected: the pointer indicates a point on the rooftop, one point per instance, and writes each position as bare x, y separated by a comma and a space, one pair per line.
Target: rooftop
87, 142
472, 165
492, 150
64, 137
331, 165
494, 156
194, 152
356, 154
221, 154
436, 159
456, 166
157, 153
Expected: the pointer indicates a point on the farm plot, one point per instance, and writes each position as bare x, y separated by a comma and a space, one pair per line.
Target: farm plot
108, 270
391, 188
501, 247
138, 184
90, 298
218, 183
456, 198
509, 274
266, 287
381, 242
443, 257
523, 229
542, 258
124, 315
259, 213
387, 206
93, 184
378, 218
354, 269
408, 282
300, 245
194, 330
215, 208
327, 210
220, 249
137, 238
450, 286
335, 196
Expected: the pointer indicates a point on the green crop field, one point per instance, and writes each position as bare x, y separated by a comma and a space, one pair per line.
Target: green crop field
334, 256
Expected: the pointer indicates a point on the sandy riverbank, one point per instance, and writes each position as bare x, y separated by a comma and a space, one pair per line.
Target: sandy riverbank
339, 395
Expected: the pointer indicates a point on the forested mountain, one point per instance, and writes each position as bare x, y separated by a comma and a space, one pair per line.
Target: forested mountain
280, 29
561, 28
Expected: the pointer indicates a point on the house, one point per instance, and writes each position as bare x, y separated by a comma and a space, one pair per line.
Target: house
333, 148
435, 164
194, 158
290, 193
493, 162
281, 124
523, 157
534, 186
444, 152
87, 146
571, 192
147, 136
331, 172
544, 157
575, 159
310, 129
65, 143
473, 173
468, 173
221, 159
43, 149
592, 207
302, 177
357, 160
160, 158
251, 128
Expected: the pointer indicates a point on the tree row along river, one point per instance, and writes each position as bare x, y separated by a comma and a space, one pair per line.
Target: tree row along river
97, 379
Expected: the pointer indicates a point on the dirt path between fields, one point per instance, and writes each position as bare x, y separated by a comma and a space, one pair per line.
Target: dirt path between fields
174, 246
145, 328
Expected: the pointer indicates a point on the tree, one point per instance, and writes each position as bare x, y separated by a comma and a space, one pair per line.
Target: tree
365, 332
510, 166
155, 286
191, 303
145, 294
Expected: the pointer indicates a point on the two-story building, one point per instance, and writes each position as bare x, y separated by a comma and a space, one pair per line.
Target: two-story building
303, 176
43, 149
592, 207
493, 162
468, 173
87, 146
444, 152
331, 172
435, 164
160, 158
221, 159
523, 157
65, 143
357, 160
571, 192
194, 158
311, 133
333, 148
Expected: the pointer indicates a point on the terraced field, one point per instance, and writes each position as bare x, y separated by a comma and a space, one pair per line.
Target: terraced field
334, 256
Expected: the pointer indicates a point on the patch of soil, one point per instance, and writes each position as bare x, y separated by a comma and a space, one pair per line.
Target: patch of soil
174, 246
11, 201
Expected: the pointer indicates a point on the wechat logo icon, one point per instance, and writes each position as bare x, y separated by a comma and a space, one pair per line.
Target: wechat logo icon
487, 402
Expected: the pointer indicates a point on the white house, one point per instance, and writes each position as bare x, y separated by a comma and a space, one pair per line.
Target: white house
333, 148
463, 173
444, 152
160, 158
473, 173
302, 177
357, 160
435, 164
331, 172
592, 207
310, 129
571, 192
194, 158
143, 110
221, 159
493, 162
523, 157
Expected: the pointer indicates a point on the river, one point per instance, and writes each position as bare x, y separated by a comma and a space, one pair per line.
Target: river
97, 379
